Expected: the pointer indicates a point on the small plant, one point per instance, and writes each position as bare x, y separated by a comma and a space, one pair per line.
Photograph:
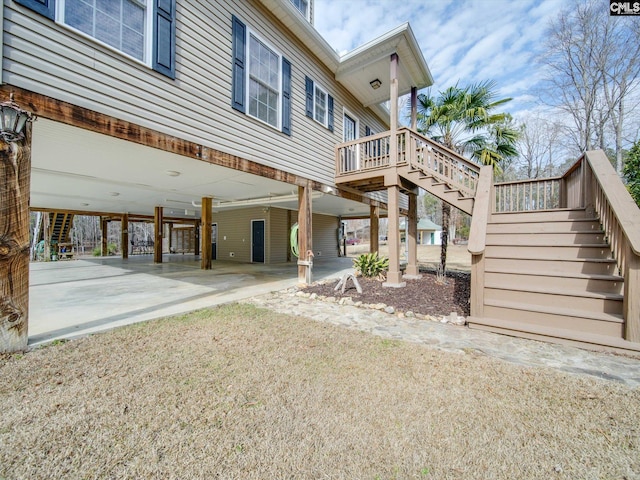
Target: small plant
370, 265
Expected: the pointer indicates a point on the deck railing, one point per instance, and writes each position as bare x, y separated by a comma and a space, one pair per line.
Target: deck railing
527, 195
420, 152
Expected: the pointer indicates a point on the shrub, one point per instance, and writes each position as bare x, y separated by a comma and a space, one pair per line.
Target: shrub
370, 265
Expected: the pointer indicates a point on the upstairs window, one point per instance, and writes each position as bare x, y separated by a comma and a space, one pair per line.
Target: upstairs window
264, 82
141, 29
319, 104
261, 79
302, 6
121, 24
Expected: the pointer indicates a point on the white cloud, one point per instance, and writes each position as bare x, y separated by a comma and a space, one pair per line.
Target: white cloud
467, 41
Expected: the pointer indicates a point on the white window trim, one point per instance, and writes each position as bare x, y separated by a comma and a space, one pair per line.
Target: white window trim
346, 111
307, 14
148, 32
247, 54
326, 106
354, 117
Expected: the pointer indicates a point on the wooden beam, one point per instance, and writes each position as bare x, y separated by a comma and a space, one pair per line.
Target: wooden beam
305, 243
15, 188
157, 235
125, 236
374, 229
74, 115
205, 259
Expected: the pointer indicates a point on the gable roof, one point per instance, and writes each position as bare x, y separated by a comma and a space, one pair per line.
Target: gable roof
356, 69
423, 224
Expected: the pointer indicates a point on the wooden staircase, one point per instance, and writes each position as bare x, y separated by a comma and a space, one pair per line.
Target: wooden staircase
554, 259
551, 275
60, 224
558, 259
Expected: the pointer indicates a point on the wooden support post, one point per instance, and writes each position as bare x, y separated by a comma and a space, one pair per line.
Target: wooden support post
15, 189
46, 236
305, 244
414, 108
394, 276
125, 235
631, 301
289, 225
206, 218
196, 238
477, 285
170, 237
104, 231
393, 109
413, 271
157, 235
374, 228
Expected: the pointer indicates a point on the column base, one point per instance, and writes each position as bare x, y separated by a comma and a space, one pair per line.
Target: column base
411, 277
394, 280
412, 271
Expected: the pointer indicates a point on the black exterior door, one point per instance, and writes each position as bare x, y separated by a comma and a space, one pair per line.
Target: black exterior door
257, 241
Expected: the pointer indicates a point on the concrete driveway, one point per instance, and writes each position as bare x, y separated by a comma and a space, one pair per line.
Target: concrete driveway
79, 297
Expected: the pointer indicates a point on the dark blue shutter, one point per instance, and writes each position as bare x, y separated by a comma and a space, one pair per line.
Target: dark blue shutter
330, 103
164, 37
309, 97
286, 96
43, 7
238, 52
367, 130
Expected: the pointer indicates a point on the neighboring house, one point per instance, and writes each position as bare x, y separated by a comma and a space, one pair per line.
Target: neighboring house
188, 113
428, 232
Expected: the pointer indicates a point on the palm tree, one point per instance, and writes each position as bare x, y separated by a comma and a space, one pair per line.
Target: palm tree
465, 120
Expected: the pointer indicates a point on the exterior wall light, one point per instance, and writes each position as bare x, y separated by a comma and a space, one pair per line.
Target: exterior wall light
375, 84
13, 120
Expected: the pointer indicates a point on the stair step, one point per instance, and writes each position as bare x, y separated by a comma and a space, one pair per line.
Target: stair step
552, 334
546, 252
562, 226
557, 281
545, 317
546, 238
557, 215
569, 303
597, 266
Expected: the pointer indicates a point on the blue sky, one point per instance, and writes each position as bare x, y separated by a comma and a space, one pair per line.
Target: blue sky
464, 41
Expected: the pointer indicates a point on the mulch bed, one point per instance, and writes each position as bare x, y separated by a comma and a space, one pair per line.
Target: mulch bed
424, 296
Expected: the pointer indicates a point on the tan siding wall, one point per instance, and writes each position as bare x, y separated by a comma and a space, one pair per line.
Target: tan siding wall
279, 234
49, 59
325, 236
235, 225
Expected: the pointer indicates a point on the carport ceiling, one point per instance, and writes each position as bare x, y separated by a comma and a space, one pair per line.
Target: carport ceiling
79, 170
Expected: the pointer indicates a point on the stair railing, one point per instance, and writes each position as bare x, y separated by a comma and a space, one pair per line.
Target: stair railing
422, 153
590, 183
482, 208
602, 190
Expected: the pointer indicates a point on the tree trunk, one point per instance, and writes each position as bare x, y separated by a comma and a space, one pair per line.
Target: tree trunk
15, 176
446, 213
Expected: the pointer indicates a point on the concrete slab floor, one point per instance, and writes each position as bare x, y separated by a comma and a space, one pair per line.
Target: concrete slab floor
79, 297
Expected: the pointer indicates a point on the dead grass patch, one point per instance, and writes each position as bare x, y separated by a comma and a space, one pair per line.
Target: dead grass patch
240, 392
